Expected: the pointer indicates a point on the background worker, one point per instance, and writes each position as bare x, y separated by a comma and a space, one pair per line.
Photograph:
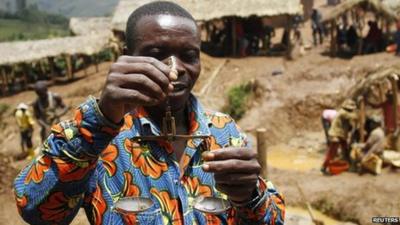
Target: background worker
368, 157
340, 132
25, 124
48, 108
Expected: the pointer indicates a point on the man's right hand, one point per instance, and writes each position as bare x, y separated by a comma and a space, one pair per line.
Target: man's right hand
132, 82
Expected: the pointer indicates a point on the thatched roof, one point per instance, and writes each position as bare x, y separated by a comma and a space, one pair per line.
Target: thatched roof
373, 78
393, 4
29, 51
89, 25
374, 5
205, 10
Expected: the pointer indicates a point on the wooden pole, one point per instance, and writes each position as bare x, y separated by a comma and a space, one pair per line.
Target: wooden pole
362, 120
289, 39
69, 66
395, 103
381, 92
25, 75
96, 62
3, 81
333, 38
234, 37
52, 67
262, 151
309, 208
12, 78
84, 65
42, 68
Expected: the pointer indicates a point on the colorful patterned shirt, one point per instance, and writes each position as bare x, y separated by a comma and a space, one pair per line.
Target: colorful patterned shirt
90, 162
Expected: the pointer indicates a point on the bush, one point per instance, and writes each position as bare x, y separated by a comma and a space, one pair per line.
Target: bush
238, 98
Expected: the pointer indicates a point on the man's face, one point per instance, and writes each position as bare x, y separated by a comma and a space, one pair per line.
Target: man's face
162, 36
41, 92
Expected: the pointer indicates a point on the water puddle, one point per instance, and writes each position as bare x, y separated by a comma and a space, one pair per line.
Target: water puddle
300, 216
289, 158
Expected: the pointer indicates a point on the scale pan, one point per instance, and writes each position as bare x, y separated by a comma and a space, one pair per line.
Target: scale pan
133, 205
212, 205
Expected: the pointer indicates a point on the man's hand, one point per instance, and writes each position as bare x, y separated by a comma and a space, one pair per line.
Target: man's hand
235, 171
134, 81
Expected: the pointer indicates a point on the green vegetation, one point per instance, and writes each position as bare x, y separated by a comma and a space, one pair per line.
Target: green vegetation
238, 98
32, 24
14, 30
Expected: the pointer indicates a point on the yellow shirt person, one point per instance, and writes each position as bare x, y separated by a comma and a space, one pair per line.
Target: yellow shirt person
25, 123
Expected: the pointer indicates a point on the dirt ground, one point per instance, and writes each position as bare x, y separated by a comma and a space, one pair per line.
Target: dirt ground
289, 108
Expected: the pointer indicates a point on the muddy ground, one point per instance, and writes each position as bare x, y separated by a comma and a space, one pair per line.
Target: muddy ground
289, 108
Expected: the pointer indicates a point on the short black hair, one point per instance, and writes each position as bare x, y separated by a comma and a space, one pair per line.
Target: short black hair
150, 9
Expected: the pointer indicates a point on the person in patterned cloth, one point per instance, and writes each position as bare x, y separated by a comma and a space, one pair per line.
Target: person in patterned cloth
91, 161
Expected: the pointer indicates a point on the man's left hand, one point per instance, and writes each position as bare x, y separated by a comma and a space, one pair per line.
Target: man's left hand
235, 171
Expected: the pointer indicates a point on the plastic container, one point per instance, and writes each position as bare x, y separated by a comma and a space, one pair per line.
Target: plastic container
337, 167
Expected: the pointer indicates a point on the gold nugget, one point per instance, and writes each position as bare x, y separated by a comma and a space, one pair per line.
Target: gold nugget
173, 75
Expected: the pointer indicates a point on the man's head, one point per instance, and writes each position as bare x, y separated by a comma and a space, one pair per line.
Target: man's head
164, 29
22, 106
41, 89
151, 9
349, 105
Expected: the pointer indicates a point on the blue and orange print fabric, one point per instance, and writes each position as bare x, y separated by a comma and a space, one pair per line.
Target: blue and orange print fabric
91, 163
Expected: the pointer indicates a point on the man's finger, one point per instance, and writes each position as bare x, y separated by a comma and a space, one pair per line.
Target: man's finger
232, 166
236, 190
230, 153
143, 83
235, 178
146, 69
143, 59
133, 96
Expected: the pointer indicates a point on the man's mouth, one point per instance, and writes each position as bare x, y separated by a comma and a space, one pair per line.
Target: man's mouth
179, 86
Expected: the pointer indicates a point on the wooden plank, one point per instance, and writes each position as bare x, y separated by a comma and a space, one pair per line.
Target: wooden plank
262, 151
68, 62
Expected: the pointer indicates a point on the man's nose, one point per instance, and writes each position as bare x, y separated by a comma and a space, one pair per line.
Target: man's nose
178, 64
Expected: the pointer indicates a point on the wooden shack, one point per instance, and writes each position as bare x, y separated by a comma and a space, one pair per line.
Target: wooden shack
277, 12
355, 11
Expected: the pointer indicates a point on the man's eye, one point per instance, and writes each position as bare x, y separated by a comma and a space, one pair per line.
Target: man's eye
190, 56
157, 53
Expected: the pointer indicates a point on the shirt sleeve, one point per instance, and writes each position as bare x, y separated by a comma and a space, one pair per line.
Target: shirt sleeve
269, 206
51, 189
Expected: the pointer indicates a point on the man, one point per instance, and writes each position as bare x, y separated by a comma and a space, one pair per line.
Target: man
339, 132
317, 27
389, 121
370, 153
92, 161
25, 124
374, 38
46, 108
328, 115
